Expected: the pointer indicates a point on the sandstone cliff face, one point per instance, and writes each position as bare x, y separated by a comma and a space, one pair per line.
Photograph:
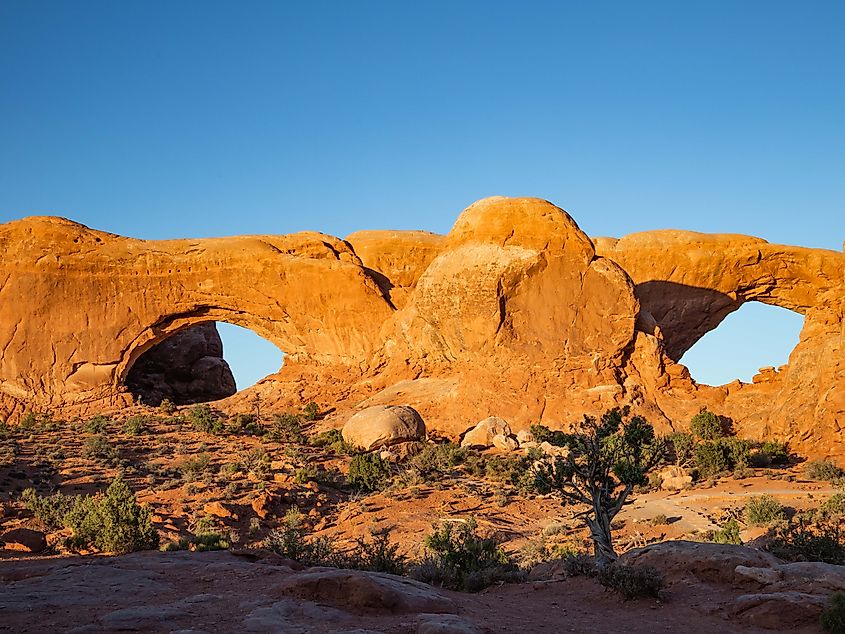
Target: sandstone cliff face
515, 313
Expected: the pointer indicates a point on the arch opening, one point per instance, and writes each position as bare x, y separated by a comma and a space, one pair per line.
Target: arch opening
189, 366
749, 339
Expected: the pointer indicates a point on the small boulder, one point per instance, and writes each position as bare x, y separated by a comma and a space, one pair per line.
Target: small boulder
484, 432
553, 450
218, 509
383, 426
523, 436
24, 539
445, 624
674, 479
505, 443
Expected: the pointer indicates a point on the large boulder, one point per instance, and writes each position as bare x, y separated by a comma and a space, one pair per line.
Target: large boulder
359, 592
185, 368
24, 539
383, 426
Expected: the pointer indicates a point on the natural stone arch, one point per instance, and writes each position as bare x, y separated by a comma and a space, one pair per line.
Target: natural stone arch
80, 305
688, 282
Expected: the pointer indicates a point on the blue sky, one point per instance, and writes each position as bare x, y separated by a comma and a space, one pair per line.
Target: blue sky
172, 119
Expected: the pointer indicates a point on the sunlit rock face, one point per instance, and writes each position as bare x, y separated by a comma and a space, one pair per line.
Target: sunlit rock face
514, 313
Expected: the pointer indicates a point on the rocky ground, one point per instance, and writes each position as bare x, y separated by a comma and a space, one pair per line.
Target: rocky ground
243, 484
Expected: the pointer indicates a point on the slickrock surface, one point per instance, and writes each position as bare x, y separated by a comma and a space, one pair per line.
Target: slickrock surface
514, 313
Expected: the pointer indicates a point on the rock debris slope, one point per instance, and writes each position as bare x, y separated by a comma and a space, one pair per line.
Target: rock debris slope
515, 313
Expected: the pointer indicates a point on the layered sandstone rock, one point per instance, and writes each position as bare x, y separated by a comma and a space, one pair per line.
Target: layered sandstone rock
514, 313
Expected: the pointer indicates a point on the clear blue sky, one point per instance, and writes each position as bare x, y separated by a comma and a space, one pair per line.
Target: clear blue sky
167, 119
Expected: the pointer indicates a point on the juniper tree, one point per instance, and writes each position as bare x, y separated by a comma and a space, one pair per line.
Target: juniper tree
607, 458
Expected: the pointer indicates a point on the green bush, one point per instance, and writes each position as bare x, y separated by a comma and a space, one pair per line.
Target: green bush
98, 448
632, 582
98, 424
706, 426
777, 452
712, 458
542, 433
833, 617
50, 509
368, 472
246, 424
728, 533
435, 461
257, 462
682, 447
763, 510
824, 470
167, 406
204, 420
378, 554
291, 541
286, 428
738, 451
311, 411
579, 565
136, 425
211, 540
333, 440
112, 522
195, 466
458, 558
814, 535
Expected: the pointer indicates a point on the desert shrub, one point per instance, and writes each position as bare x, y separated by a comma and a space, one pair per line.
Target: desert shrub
762, 510
579, 565
378, 554
256, 462
6, 431
834, 505
211, 540
50, 509
291, 541
659, 520
824, 470
97, 424
333, 440
167, 406
458, 558
706, 426
246, 424
681, 447
711, 458
435, 461
306, 474
98, 448
776, 451
542, 433
738, 452
29, 421
814, 535
368, 472
632, 582
728, 533
195, 467
203, 419
136, 425
181, 544
286, 428
519, 472
833, 616
112, 522
311, 411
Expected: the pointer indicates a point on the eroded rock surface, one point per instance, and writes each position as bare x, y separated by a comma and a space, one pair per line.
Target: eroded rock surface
514, 313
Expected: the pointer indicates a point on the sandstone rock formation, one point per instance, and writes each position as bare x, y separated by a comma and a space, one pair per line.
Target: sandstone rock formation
383, 426
515, 312
187, 367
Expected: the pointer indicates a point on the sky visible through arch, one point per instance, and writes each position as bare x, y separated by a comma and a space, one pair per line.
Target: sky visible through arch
191, 119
